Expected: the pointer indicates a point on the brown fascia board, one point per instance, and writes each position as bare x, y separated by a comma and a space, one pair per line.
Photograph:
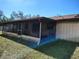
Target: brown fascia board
29, 19
66, 17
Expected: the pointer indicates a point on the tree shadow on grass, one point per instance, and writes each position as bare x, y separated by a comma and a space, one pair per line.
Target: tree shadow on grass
60, 49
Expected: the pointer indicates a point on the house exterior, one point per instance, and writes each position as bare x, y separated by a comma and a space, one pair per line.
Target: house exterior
67, 27
41, 30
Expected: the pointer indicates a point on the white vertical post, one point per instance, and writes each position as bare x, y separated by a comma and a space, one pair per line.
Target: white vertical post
39, 34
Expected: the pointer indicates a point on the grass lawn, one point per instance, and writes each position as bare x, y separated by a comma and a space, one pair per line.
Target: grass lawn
12, 50
60, 49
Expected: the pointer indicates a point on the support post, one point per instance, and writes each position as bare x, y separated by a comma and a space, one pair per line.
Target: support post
2, 29
39, 33
21, 27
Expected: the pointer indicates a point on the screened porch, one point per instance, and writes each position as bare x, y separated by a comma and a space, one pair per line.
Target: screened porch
36, 31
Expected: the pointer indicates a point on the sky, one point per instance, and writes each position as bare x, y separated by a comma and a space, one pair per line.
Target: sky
46, 8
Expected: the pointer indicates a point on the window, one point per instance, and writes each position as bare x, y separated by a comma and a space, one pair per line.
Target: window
15, 28
35, 27
25, 28
50, 26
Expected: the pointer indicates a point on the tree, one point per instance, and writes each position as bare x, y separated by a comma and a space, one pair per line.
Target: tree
13, 15
37, 15
1, 14
5, 18
20, 14
29, 16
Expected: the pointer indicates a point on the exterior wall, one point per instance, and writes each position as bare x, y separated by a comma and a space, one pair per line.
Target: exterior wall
68, 31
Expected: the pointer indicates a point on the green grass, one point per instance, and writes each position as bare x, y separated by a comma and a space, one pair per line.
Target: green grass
12, 50
60, 49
